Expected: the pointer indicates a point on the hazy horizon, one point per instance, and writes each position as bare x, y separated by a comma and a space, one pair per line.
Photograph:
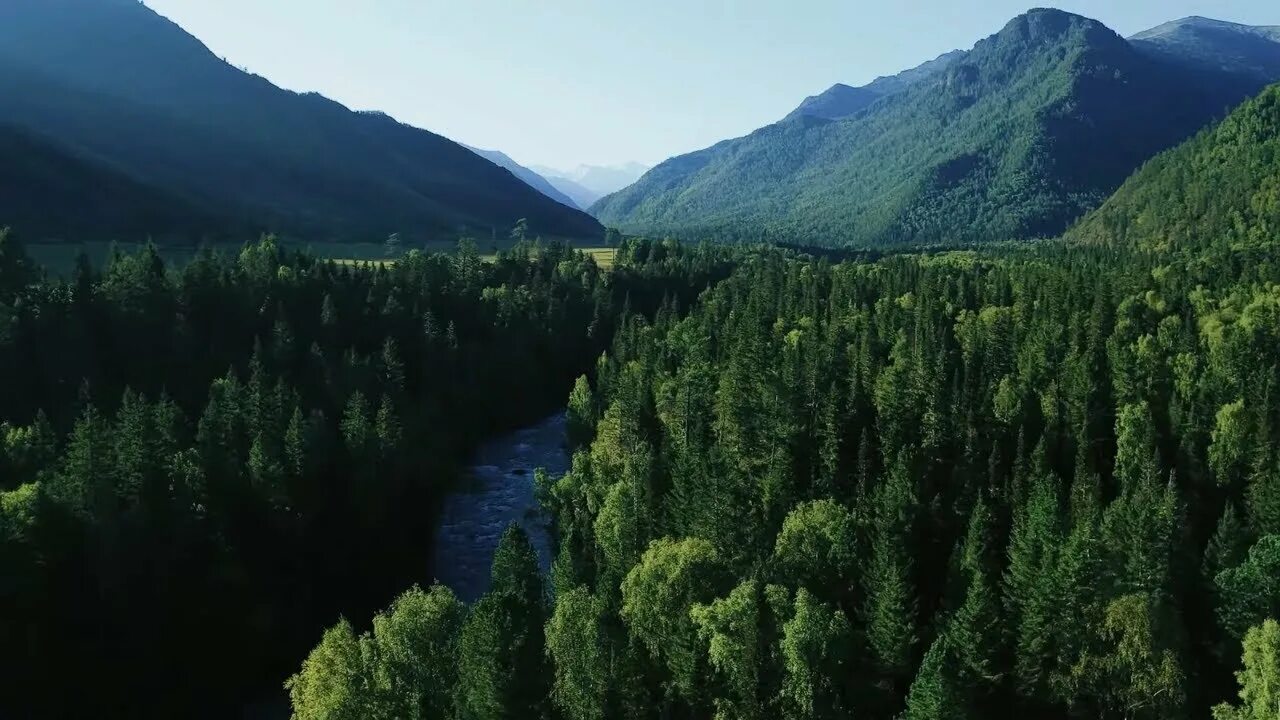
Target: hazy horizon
586, 84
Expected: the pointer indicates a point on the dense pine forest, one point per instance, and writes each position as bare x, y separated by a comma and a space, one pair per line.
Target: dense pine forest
934, 486
1035, 479
203, 465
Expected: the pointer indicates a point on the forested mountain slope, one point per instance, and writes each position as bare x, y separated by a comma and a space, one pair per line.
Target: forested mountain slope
46, 192
112, 80
1032, 128
1220, 188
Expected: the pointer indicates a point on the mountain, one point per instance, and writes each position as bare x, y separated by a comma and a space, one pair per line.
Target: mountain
114, 82
530, 178
50, 194
1201, 42
1017, 138
1221, 187
598, 179
581, 196
840, 100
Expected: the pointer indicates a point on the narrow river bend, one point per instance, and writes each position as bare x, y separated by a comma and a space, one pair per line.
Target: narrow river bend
497, 492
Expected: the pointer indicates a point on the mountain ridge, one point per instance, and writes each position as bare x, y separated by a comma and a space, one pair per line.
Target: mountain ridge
841, 100
114, 80
598, 179
530, 178
1200, 41
1035, 126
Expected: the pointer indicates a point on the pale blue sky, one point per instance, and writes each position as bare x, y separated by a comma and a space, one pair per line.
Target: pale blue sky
562, 82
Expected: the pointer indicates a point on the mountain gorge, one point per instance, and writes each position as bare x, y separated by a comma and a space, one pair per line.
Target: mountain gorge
1017, 138
1221, 188
529, 177
588, 183
112, 82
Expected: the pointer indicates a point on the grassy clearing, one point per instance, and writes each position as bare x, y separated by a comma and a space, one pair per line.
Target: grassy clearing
59, 259
604, 257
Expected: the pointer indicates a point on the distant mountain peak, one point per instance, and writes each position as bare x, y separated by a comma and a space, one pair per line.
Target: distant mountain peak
1042, 26
1197, 41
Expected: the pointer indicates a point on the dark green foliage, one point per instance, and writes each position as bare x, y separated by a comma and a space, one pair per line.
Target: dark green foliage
924, 485
1250, 592
502, 663
1035, 126
945, 485
260, 444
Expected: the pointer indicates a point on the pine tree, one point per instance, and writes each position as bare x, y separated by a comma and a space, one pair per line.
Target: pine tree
935, 693
1029, 582
889, 614
503, 671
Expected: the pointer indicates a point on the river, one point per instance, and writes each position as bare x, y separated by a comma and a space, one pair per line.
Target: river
498, 491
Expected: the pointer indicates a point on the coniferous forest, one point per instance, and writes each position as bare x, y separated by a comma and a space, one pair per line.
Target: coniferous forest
899, 462
251, 445
1037, 479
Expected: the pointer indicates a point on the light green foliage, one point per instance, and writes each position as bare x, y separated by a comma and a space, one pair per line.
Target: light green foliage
730, 628
1229, 448
333, 683
403, 669
814, 647
19, 510
1260, 678
657, 596
582, 414
818, 547
577, 647
416, 646
1138, 673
